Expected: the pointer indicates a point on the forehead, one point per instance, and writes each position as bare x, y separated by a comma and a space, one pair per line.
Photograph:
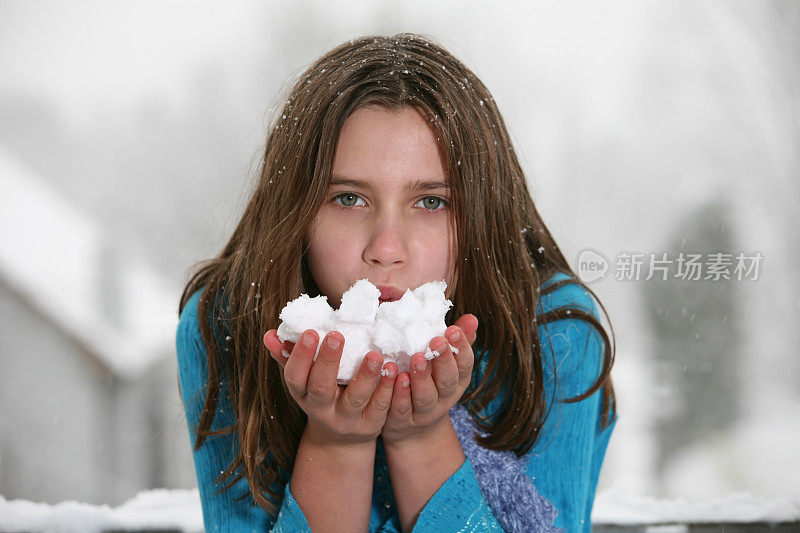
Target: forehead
396, 147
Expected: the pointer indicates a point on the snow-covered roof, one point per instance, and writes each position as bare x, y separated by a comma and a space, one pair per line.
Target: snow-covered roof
71, 269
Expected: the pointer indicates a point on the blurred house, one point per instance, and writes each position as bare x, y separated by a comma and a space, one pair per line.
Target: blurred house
89, 408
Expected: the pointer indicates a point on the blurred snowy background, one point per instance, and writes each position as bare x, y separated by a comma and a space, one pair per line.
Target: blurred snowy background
129, 134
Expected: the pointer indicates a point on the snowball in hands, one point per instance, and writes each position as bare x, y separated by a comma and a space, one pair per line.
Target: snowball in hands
398, 329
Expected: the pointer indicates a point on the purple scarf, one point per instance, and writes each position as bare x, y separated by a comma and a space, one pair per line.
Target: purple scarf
511, 495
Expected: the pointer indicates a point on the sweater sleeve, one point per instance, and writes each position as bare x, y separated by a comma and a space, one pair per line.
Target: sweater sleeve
458, 505
564, 464
566, 459
232, 509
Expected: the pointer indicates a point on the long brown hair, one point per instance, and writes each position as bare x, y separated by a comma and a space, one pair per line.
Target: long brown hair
504, 251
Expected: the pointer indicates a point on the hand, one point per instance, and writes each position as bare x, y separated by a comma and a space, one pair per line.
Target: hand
337, 414
435, 389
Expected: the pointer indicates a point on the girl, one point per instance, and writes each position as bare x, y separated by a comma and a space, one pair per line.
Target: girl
390, 161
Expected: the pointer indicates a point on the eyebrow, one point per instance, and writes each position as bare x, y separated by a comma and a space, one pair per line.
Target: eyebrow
414, 186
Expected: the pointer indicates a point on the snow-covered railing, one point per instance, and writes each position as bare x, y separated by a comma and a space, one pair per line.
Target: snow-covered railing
161, 510
179, 511
616, 511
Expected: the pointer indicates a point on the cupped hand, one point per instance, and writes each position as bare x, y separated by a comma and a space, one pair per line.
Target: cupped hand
337, 414
434, 387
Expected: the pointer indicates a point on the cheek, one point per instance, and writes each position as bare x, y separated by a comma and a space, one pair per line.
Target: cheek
333, 252
321, 233
331, 244
439, 247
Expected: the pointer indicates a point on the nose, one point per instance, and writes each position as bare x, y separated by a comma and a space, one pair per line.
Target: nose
387, 243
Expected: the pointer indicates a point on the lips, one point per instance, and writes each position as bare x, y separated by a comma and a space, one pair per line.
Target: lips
389, 293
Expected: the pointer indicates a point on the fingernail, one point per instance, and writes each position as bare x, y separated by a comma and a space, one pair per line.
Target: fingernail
388, 372
421, 365
308, 339
454, 336
285, 353
333, 342
439, 348
372, 364
405, 382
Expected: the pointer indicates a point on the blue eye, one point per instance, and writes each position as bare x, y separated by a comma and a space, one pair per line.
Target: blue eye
440, 202
347, 194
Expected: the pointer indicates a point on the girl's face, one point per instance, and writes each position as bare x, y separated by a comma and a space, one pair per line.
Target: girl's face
386, 216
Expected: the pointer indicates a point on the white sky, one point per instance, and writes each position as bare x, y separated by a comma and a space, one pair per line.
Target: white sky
85, 54
78, 52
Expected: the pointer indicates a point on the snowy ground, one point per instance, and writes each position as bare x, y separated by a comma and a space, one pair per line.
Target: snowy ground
180, 510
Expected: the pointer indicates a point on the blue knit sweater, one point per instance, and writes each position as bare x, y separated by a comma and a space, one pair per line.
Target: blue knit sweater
491, 491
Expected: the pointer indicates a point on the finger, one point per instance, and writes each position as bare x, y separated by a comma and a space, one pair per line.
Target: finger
444, 368
424, 395
298, 365
469, 325
378, 407
465, 358
358, 391
401, 409
322, 384
275, 347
